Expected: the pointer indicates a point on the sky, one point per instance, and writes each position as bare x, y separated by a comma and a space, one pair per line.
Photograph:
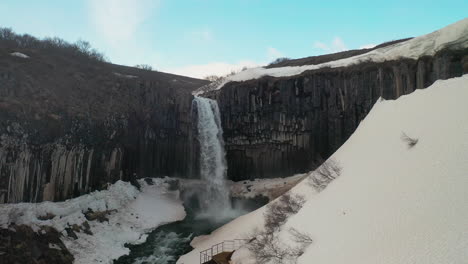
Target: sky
213, 37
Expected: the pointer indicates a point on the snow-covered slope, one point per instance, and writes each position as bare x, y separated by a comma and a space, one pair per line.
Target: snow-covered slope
133, 214
454, 36
395, 204
392, 203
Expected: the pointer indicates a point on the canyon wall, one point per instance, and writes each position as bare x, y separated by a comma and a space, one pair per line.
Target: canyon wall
276, 127
69, 127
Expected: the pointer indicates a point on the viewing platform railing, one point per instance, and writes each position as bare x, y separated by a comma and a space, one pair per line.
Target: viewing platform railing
225, 246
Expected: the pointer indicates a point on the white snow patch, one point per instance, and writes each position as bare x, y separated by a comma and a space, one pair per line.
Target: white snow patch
125, 75
453, 36
137, 213
368, 46
20, 55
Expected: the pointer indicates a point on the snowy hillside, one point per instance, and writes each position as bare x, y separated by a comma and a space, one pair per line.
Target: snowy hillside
454, 36
393, 203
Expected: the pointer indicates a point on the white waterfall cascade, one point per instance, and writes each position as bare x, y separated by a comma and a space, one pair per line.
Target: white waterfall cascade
215, 199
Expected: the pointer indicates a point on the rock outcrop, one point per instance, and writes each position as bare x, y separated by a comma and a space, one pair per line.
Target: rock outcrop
22, 244
279, 126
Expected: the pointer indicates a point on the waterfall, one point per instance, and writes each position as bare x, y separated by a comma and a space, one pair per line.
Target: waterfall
215, 198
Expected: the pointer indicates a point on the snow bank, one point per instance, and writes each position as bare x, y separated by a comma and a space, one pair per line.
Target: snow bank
453, 36
136, 214
19, 54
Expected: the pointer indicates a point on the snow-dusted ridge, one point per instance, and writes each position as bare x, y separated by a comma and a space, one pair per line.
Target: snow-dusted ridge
392, 203
136, 213
453, 36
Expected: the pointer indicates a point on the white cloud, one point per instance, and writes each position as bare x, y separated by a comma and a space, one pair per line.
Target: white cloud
213, 68
118, 20
368, 46
118, 26
336, 45
321, 45
273, 53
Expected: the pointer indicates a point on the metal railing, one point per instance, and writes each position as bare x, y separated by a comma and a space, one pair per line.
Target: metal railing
225, 246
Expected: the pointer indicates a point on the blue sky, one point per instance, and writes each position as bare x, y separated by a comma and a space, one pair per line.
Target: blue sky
202, 37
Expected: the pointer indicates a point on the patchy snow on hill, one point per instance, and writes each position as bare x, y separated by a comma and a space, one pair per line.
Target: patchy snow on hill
395, 202
132, 214
127, 76
20, 55
452, 36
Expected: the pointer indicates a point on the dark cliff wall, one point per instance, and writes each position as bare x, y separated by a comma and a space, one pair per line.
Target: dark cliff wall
279, 126
69, 126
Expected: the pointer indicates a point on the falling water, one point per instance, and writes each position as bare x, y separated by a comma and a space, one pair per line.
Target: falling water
215, 198
168, 242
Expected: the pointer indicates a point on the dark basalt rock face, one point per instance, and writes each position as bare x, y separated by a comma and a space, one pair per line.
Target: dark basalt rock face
70, 126
276, 127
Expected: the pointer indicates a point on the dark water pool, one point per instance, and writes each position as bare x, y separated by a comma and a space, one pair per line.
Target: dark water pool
167, 243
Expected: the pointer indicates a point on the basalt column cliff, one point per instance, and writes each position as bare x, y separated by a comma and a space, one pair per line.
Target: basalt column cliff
279, 126
70, 126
